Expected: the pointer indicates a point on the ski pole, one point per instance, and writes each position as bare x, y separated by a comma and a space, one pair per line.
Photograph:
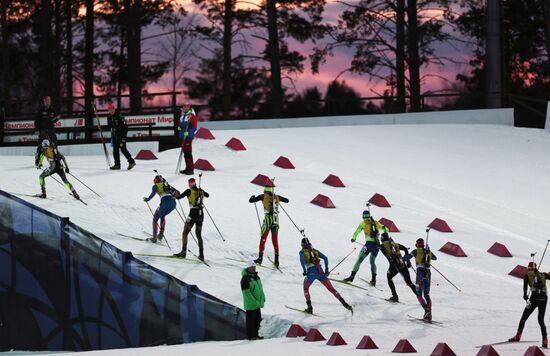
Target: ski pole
447, 279
216, 226
542, 258
427, 235
158, 227
343, 259
257, 215
296, 226
101, 135
184, 219
61, 184
81, 182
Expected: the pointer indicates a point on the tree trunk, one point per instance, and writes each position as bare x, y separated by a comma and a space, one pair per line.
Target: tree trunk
274, 59
546, 9
57, 49
120, 65
89, 66
493, 53
133, 39
227, 39
401, 105
414, 58
69, 57
45, 49
6, 78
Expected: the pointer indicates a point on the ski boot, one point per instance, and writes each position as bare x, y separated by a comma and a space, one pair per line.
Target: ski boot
42, 195
131, 165
309, 308
260, 258
161, 235
516, 338
180, 254
115, 167
151, 239
373, 280
188, 172
346, 305
276, 261
394, 299
201, 255
350, 278
428, 314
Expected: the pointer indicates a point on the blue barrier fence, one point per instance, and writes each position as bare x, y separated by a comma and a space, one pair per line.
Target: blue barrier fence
63, 288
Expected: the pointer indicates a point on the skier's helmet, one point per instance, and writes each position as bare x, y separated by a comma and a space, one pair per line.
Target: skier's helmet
158, 179
46, 143
305, 242
366, 214
385, 236
419, 243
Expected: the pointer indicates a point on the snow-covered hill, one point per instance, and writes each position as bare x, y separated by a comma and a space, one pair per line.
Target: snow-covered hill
490, 183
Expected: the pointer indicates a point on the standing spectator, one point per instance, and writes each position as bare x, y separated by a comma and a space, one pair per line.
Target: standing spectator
44, 124
253, 300
119, 131
187, 128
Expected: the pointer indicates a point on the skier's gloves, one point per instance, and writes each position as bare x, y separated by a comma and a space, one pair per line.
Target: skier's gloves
525, 297
186, 133
67, 170
145, 199
39, 166
352, 240
304, 273
409, 264
327, 272
251, 198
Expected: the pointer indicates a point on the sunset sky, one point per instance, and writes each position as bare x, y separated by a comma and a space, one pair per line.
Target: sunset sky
438, 80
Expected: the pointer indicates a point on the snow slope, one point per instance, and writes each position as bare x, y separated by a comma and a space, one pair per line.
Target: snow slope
490, 183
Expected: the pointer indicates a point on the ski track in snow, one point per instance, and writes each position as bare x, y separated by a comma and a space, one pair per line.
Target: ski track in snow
489, 183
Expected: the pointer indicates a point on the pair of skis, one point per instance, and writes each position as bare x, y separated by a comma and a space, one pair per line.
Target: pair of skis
307, 313
507, 342
164, 256
40, 196
355, 285
425, 321
274, 268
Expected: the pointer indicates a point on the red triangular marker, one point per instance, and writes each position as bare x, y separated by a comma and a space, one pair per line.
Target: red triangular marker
295, 330
314, 335
366, 343
404, 346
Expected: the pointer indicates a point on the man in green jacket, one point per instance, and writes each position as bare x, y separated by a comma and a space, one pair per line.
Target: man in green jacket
253, 299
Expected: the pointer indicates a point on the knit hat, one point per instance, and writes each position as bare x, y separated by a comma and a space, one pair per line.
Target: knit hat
250, 263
